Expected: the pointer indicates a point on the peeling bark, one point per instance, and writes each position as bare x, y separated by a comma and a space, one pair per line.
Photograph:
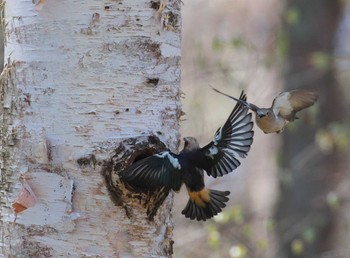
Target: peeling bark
81, 77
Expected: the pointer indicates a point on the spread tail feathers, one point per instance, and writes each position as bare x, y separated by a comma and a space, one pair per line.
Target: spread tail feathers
205, 204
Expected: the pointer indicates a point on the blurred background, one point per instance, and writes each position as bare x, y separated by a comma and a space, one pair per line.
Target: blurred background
290, 197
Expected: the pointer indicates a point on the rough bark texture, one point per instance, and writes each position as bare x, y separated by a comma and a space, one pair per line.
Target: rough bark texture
81, 77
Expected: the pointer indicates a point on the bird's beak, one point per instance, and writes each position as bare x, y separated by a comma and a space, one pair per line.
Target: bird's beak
261, 114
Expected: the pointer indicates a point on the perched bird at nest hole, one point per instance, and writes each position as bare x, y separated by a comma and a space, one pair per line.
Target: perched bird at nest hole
220, 157
282, 111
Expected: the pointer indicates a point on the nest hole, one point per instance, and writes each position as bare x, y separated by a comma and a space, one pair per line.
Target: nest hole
143, 154
126, 194
135, 157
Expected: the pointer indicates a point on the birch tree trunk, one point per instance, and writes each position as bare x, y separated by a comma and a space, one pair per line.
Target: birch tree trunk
81, 77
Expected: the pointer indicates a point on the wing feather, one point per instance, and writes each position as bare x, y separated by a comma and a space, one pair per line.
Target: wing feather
159, 170
231, 142
287, 104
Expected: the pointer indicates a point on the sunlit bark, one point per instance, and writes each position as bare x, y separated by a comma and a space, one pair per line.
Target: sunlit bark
80, 77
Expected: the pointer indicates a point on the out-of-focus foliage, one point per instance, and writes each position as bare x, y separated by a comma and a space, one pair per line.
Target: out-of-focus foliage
282, 45
320, 60
240, 236
335, 137
333, 200
238, 251
213, 237
309, 235
297, 246
292, 16
217, 44
240, 45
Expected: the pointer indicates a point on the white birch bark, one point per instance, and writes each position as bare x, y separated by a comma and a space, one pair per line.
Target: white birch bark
81, 76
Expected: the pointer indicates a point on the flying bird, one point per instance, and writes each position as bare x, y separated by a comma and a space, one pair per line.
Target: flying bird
220, 157
282, 111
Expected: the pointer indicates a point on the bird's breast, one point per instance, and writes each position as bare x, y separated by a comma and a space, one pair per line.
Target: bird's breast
269, 124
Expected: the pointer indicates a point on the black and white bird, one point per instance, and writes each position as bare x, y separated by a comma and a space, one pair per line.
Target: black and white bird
282, 111
220, 157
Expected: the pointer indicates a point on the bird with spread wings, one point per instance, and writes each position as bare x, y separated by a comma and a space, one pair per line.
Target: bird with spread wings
220, 157
282, 111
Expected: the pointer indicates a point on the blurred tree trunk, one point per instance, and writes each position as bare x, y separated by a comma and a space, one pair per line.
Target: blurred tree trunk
306, 214
80, 77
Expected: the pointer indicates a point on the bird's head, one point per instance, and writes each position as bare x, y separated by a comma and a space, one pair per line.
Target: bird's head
263, 112
190, 144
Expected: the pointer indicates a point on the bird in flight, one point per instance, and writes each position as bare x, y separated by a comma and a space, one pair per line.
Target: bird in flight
282, 111
220, 157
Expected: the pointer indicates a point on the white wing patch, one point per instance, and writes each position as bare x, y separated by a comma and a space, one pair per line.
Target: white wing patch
218, 135
213, 150
174, 161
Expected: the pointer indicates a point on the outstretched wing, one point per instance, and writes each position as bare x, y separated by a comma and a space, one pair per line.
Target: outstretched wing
231, 142
287, 104
159, 170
